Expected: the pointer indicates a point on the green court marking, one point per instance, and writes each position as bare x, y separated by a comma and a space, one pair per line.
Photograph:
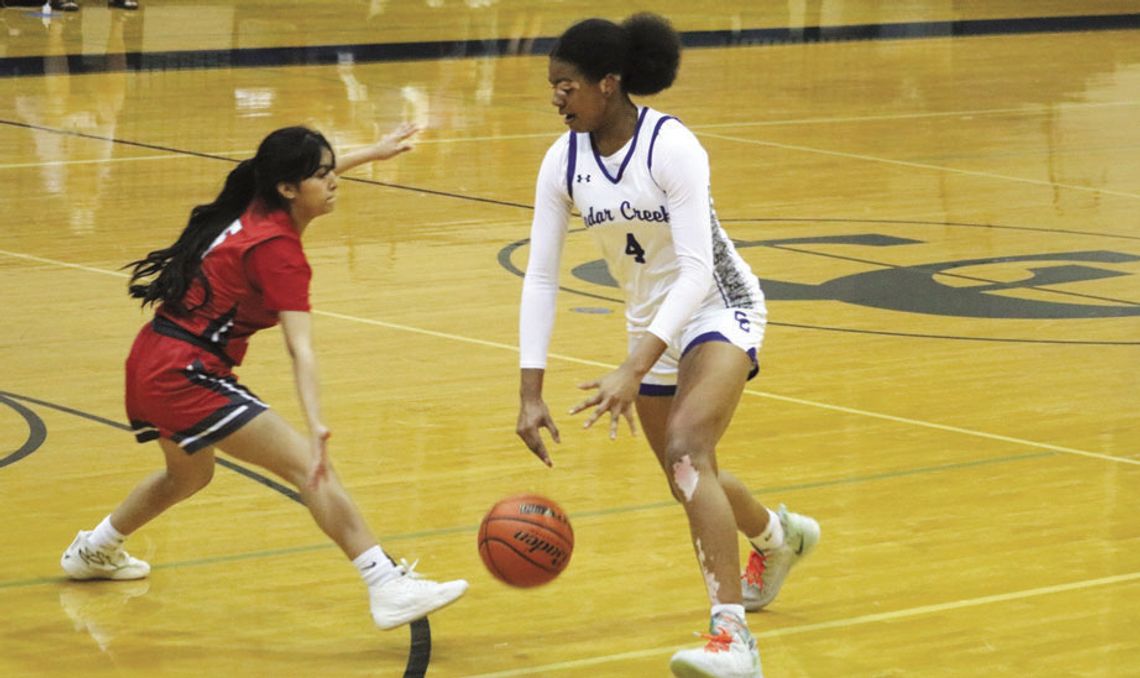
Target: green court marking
852, 480
578, 515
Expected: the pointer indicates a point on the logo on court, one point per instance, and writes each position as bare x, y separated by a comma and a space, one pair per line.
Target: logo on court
967, 287
949, 288
885, 272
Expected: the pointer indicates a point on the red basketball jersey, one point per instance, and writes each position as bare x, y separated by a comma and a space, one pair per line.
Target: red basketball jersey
245, 295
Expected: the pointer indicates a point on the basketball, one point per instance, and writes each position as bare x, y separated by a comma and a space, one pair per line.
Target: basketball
526, 540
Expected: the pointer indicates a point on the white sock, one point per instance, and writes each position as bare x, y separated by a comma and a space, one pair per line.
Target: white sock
772, 537
375, 566
735, 610
105, 537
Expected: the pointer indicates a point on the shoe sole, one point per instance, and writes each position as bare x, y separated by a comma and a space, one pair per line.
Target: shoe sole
687, 671
408, 619
118, 575
682, 670
103, 577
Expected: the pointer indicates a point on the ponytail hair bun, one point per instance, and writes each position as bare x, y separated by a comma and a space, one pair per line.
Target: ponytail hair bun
645, 50
654, 54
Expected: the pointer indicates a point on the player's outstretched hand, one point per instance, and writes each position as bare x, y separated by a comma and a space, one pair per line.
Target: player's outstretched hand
616, 394
390, 145
397, 141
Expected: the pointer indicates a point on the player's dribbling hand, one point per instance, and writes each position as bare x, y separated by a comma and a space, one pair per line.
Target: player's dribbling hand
533, 417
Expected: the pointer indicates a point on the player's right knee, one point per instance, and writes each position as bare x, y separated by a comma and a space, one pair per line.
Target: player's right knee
190, 481
202, 478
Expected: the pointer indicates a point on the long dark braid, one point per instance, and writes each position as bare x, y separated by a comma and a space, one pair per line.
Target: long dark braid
288, 155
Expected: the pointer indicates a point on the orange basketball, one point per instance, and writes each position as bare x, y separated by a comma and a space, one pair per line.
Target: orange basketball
526, 540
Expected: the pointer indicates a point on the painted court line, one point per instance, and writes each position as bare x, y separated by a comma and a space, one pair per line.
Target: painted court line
1030, 110
432, 533
1126, 459
760, 394
64, 264
920, 165
546, 669
93, 161
1123, 459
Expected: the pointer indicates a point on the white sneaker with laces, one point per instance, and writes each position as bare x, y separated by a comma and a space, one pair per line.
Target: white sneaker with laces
408, 597
729, 653
766, 570
82, 561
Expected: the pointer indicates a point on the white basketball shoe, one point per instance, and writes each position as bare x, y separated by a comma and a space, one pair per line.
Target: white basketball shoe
766, 569
83, 561
408, 597
729, 653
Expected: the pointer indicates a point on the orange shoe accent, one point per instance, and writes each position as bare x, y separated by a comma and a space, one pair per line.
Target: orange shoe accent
718, 643
754, 573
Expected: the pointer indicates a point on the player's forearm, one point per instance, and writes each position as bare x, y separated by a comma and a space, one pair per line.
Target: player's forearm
308, 386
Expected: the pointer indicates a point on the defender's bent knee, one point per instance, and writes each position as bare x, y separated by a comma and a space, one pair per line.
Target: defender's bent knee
185, 483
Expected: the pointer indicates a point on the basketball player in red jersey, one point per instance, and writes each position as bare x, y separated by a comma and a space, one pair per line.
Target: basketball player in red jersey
238, 267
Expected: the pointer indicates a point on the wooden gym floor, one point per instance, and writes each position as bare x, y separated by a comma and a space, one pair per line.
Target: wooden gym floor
940, 198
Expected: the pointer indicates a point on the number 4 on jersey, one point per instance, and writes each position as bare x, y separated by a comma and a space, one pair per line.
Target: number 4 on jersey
634, 248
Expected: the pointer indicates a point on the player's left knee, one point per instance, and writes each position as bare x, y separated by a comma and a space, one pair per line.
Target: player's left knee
687, 471
680, 447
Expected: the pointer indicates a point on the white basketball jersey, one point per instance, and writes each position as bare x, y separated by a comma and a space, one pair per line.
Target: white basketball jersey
627, 214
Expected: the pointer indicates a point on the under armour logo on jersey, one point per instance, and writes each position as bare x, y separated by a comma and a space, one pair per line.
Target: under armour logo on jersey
583, 178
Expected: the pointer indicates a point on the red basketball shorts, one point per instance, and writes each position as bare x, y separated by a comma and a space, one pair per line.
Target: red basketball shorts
184, 392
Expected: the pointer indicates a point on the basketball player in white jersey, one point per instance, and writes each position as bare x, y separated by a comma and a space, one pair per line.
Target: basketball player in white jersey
694, 311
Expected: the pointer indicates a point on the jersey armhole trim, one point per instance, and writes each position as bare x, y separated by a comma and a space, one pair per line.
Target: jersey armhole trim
652, 141
653, 144
571, 162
